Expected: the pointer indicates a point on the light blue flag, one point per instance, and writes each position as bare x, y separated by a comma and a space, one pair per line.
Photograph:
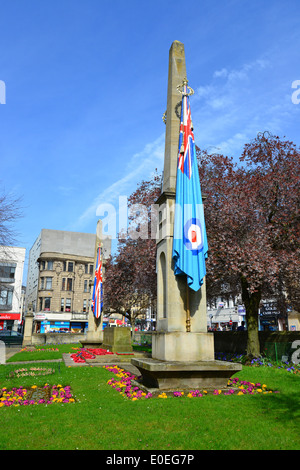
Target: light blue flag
190, 241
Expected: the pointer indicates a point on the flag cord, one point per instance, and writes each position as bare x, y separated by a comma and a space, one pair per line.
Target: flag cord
188, 313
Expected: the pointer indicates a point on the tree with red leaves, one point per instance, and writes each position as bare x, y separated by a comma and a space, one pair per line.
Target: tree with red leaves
252, 214
253, 223
130, 275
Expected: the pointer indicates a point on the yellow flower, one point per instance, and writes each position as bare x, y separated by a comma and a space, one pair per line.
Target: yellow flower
162, 395
33, 386
134, 398
189, 395
240, 393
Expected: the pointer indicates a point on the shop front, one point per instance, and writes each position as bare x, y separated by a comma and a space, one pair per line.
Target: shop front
271, 319
54, 323
7, 320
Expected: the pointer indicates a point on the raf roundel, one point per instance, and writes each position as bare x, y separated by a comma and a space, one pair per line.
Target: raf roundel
193, 239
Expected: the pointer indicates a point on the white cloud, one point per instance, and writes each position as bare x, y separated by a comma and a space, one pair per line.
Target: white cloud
238, 103
221, 73
140, 166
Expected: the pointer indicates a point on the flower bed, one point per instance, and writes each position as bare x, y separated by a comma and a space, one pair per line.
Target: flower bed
258, 362
32, 371
88, 353
30, 349
123, 384
36, 395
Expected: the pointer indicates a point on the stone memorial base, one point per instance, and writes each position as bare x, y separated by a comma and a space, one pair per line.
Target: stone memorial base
93, 339
176, 345
181, 375
91, 343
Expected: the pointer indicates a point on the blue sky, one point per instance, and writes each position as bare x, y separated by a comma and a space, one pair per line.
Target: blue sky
86, 88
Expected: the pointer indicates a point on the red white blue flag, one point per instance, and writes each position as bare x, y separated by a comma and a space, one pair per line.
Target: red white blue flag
97, 302
190, 241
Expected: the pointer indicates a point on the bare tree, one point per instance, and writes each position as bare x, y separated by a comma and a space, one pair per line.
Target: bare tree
10, 212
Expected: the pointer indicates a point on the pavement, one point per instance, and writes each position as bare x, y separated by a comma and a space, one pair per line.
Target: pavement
11, 351
102, 361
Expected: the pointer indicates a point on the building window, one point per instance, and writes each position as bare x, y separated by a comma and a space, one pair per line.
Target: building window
6, 298
85, 288
42, 284
42, 265
48, 283
86, 268
7, 272
63, 284
65, 265
69, 284
50, 265
47, 303
91, 268
62, 304
84, 305
70, 266
41, 303
68, 305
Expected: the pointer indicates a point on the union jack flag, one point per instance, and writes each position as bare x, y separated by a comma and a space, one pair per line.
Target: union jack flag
97, 302
186, 137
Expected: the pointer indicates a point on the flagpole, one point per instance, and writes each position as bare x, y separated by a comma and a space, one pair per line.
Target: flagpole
188, 313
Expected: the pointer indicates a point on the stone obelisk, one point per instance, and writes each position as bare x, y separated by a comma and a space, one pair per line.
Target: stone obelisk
173, 341
182, 357
94, 337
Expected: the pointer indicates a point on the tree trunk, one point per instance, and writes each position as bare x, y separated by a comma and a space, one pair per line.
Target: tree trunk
251, 302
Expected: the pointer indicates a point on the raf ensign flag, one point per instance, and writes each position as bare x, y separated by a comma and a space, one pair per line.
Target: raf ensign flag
190, 241
97, 302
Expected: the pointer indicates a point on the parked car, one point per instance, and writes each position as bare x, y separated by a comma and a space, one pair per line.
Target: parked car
10, 337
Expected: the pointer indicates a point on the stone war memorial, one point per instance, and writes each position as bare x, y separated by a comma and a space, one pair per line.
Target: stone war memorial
182, 349
112, 339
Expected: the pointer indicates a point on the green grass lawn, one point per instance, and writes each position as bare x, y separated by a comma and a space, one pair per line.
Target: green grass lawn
43, 352
102, 418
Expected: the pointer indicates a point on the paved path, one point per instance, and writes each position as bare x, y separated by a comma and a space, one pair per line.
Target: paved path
9, 352
101, 361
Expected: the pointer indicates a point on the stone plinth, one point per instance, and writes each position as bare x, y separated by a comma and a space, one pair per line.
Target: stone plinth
27, 337
90, 343
117, 339
173, 346
180, 375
